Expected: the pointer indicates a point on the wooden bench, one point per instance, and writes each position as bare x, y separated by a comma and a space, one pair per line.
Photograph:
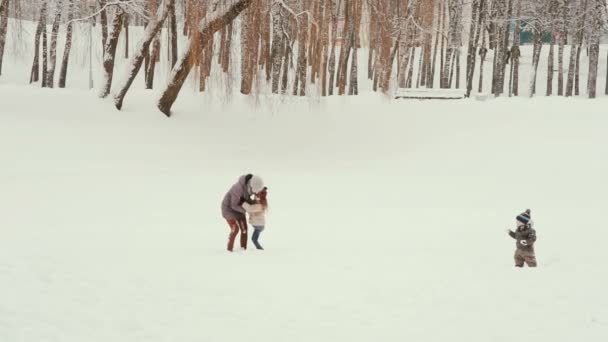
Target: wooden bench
429, 94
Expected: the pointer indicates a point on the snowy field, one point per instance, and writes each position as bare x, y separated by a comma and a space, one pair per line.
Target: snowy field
387, 218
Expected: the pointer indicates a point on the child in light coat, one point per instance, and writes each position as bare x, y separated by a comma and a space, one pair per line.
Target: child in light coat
257, 215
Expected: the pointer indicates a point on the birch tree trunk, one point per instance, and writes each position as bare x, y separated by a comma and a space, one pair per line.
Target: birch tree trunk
173, 34
224, 13
103, 18
515, 53
35, 73
45, 55
50, 78
110, 52
473, 39
4, 8
550, 68
594, 46
560, 52
535, 59
278, 45
332, 55
152, 30
68, 46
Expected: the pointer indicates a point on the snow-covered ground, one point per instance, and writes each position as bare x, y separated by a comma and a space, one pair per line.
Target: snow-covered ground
387, 219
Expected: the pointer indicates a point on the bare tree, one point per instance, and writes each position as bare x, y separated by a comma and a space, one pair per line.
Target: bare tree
299, 87
278, 45
34, 75
110, 51
154, 26
154, 53
332, 55
126, 23
50, 78
173, 35
561, 23
225, 11
103, 19
4, 8
515, 53
68, 46
474, 30
594, 45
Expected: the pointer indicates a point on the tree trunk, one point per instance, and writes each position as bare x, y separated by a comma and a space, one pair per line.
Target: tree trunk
442, 51
482, 58
110, 53
286, 64
593, 63
302, 58
574, 41
385, 46
250, 39
515, 53
126, 28
354, 74
353, 88
436, 44
594, 41
560, 53
224, 13
45, 55
50, 78
606, 89
173, 35
278, 45
152, 30
550, 68
35, 74
103, 18
332, 55
265, 60
316, 59
535, 59
473, 40
4, 8
325, 42
68, 46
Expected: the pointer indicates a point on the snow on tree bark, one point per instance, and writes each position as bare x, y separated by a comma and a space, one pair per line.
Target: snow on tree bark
515, 53
35, 73
152, 30
224, 13
68, 46
473, 39
173, 35
332, 54
45, 55
103, 18
278, 45
299, 87
594, 46
550, 68
126, 35
535, 59
4, 8
50, 78
110, 52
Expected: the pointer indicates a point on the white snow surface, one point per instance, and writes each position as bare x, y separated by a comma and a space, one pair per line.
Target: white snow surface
387, 218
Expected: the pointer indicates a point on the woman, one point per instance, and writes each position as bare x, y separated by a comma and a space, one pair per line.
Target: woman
233, 211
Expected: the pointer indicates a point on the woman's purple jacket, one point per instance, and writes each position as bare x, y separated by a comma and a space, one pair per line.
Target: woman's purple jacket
231, 209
